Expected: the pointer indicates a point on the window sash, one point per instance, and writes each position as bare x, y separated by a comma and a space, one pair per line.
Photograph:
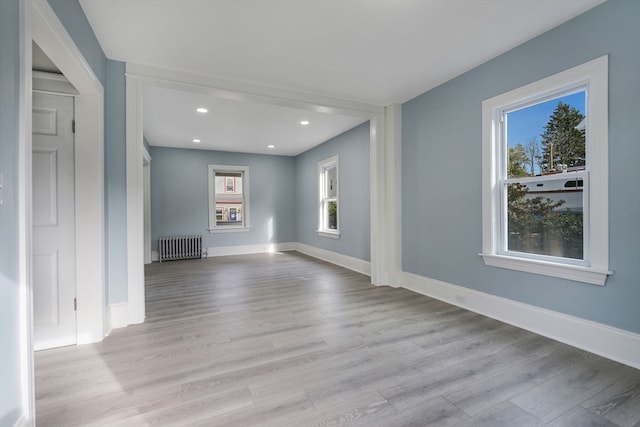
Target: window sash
503, 184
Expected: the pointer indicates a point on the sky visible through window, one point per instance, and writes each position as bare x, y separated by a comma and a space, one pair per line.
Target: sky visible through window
528, 123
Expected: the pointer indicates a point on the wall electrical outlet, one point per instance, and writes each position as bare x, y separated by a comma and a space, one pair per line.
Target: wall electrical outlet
1, 188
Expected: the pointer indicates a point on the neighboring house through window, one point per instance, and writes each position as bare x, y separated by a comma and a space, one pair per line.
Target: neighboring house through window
228, 198
328, 207
545, 151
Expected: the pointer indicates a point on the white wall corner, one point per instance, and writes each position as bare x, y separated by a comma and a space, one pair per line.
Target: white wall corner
612, 343
355, 264
118, 315
378, 202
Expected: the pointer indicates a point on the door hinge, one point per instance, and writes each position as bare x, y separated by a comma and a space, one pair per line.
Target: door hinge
73, 126
75, 304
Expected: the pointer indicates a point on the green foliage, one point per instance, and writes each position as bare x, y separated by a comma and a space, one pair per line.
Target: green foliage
332, 215
527, 214
562, 143
535, 225
517, 162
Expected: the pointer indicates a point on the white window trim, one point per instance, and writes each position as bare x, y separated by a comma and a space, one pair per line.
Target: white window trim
213, 228
593, 74
322, 165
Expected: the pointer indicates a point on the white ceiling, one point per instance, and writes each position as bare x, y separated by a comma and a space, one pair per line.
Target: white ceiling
371, 51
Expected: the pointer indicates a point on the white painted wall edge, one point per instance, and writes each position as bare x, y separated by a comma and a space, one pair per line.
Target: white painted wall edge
118, 315
355, 264
607, 341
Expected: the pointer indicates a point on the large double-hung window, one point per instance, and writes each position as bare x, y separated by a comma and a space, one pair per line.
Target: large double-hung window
545, 176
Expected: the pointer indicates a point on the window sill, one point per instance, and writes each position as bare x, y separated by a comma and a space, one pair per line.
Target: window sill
329, 234
228, 229
591, 275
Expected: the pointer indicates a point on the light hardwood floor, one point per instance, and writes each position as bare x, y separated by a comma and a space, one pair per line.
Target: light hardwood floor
287, 340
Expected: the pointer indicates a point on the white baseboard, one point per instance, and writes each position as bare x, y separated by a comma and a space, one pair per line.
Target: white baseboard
155, 256
117, 316
250, 249
355, 264
612, 343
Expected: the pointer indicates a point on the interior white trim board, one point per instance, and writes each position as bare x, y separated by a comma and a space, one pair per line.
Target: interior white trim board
25, 299
135, 200
355, 264
612, 343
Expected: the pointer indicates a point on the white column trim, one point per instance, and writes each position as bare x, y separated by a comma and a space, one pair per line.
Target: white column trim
393, 188
146, 162
377, 200
25, 326
135, 200
386, 196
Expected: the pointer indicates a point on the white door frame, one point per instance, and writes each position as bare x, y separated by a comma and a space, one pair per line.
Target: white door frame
146, 167
49, 33
385, 135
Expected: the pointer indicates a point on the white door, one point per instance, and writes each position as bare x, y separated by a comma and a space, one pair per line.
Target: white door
54, 284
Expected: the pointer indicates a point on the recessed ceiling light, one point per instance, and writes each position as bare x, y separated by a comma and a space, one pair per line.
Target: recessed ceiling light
197, 141
271, 146
304, 122
201, 110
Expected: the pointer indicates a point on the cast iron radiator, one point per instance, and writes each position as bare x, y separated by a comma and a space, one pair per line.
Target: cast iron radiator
179, 247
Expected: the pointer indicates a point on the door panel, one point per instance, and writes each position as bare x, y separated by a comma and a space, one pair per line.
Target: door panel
54, 284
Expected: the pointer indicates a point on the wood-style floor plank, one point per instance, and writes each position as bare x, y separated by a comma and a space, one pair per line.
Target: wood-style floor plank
287, 340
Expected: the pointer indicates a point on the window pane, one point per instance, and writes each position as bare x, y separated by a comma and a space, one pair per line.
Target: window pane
228, 213
546, 217
229, 200
332, 215
546, 138
331, 185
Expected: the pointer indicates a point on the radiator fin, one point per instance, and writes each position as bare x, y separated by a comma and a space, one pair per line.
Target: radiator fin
179, 247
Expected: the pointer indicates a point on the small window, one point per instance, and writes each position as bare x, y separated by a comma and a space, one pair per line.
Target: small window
545, 150
328, 217
228, 198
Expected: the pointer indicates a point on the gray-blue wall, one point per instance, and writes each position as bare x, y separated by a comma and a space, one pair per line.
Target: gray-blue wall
352, 149
442, 169
180, 196
10, 387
